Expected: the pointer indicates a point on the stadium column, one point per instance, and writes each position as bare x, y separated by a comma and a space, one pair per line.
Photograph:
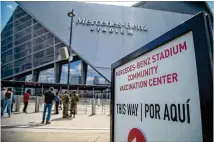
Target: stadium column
35, 75
57, 72
84, 71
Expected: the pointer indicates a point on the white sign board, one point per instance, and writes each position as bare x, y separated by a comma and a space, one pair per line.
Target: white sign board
157, 95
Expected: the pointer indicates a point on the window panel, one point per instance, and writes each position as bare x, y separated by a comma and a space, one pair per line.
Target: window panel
25, 18
64, 74
22, 40
11, 19
48, 42
7, 70
94, 78
7, 56
43, 56
6, 34
23, 64
22, 25
22, 47
8, 27
18, 9
49, 51
6, 47
38, 30
47, 76
37, 26
75, 73
6, 41
22, 33
19, 14
22, 54
42, 42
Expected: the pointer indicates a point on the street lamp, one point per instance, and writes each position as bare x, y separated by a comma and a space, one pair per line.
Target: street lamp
70, 14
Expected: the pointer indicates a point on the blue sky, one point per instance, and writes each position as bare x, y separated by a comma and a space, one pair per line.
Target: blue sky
7, 8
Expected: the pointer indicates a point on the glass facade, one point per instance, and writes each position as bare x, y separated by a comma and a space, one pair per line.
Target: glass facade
47, 76
94, 78
75, 73
26, 44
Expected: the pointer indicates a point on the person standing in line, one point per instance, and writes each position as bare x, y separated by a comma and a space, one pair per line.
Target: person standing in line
26, 99
60, 101
4, 90
73, 105
48, 98
65, 102
7, 102
57, 99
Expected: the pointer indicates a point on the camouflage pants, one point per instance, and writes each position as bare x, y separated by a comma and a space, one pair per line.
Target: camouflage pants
73, 110
65, 109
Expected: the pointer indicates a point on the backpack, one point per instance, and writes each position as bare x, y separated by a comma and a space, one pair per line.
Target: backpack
57, 98
49, 96
8, 95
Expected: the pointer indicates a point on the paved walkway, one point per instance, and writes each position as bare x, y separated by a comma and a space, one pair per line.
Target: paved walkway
54, 137
80, 121
21, 127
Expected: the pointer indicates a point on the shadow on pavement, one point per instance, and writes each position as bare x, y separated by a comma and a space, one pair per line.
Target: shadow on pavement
31, 125
61, 119
15, 113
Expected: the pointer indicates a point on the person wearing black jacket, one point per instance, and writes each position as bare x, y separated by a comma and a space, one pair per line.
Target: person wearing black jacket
48, 99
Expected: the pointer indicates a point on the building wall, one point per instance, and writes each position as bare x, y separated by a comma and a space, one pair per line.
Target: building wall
185, 7
101, 49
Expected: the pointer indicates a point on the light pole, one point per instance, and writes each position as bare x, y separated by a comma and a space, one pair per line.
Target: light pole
70, 14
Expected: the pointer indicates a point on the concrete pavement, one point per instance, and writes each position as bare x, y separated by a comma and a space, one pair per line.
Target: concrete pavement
21, 127
80, 121
54, 137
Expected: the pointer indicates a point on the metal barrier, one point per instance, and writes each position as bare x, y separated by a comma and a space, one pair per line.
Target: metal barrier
101, 106
85, 105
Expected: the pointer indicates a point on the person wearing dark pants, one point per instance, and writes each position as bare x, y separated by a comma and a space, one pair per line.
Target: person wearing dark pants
48, 100
26, 98
57, 99
7, 102
25, 107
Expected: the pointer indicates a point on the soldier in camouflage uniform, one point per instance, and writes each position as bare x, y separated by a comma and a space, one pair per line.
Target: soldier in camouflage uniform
74, 99
65, 101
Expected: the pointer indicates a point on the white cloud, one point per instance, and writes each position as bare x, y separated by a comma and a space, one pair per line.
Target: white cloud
102, 81
10, 7
72, 71
89, 68
78, 67
90, 78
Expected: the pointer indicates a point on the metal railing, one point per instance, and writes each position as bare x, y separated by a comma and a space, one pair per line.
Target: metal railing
84, 105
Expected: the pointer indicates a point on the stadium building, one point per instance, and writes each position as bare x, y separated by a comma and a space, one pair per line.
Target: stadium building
102, 34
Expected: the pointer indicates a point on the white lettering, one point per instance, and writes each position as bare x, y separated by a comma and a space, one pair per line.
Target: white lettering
110, 30
113, 26
79, 21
